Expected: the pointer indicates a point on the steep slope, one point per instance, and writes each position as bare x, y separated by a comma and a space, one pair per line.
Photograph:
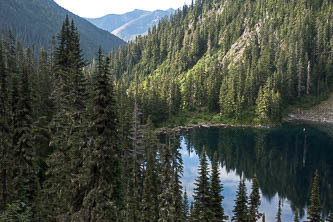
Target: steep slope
245, 60
129, 25
36, 21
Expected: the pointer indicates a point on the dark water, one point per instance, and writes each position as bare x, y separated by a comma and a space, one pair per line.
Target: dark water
283, 159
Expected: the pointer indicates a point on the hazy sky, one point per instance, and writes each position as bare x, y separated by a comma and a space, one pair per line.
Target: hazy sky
98, 8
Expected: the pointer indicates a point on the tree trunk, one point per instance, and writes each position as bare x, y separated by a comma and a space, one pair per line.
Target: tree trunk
308, 79
300, 74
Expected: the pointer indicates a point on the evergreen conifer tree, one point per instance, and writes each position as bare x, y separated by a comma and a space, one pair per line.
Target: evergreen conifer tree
165, 198
186, 207
240, 210
314, 210
69, 127
202, 211
149, 205
177, 205
103, 199
26, 181
216, 188
177, 167
254, 202
136, 157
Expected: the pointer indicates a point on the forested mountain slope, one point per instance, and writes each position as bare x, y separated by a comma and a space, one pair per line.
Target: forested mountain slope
239, 58
36, 21
129, 25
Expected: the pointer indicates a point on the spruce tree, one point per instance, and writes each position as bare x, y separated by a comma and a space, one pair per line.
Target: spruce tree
177, 167
149, 196
103, 196
202, 211
186, 207
69, 127
240, 210
149, 204
216, 188
254, 202
165, 198
136, 154
176, 214
26, 182
314, 210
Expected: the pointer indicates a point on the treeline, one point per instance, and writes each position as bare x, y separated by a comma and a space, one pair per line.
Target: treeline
237, 58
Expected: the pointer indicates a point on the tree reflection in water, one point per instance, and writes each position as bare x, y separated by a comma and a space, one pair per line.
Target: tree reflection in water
284, 160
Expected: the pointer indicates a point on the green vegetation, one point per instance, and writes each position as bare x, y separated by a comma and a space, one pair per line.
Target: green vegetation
314, 210
247, 60
77, 142
241, 209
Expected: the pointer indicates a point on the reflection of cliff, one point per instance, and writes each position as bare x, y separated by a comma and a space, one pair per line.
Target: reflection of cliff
284, 160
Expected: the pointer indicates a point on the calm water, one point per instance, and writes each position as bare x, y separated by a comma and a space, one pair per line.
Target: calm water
283, 159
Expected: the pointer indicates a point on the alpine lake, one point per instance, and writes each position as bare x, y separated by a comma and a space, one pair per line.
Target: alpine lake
284, 160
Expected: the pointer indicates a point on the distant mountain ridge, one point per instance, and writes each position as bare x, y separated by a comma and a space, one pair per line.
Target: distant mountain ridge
36, 21
129, 25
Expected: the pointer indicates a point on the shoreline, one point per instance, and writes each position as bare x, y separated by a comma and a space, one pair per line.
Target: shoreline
179, 129
166, 130
320, 114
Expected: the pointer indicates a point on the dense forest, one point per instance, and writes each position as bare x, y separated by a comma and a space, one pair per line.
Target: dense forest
247, 60
77, 141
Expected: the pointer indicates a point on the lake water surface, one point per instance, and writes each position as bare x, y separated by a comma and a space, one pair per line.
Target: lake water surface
284, 160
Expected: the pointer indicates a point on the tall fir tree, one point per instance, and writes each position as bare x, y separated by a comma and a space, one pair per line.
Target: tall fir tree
176, 214
186, 206
149, 204
216, 188
241, 209
136, 156
314, 210
69, 127
165, 198
26, 182
177, 167
103, 195
254, 202
202, 211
